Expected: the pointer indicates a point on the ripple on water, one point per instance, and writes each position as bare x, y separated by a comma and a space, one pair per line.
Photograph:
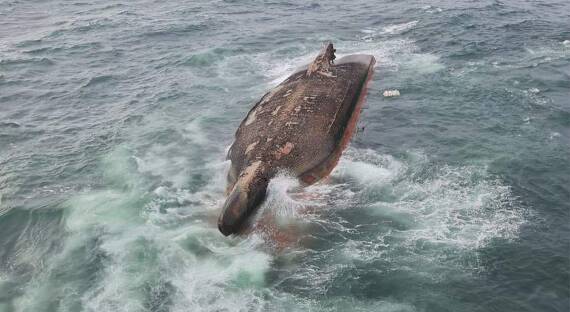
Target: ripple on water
376, 212
387, 231
392, 218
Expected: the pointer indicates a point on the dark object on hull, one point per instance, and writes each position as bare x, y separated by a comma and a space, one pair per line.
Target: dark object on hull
302, 126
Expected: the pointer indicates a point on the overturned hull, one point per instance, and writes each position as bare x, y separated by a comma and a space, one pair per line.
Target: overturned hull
301, 126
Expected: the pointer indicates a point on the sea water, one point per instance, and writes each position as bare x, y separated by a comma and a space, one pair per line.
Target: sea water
115, 118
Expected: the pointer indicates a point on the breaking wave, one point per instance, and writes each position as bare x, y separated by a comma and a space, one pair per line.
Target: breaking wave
159, 246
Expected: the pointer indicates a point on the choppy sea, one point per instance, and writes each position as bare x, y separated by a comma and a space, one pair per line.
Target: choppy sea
115, 118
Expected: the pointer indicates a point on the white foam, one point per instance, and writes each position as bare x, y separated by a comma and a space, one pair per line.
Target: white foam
139, 252
554, 135
423, 63
368, 167
278, 69
543, 54
461, 208
165, 162
399, 28
372, 34
204, 283
278, 198
180, 252
452, 210
366, 173
398, 55
432, 9
535, 96
393, 54
101, 208
195, 132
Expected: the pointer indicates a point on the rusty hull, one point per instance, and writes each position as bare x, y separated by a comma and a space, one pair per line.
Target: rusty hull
301, 126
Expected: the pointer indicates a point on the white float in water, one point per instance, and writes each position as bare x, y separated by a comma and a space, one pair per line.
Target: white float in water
391, 93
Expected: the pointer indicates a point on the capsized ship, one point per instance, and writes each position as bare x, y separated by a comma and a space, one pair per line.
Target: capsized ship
301, 126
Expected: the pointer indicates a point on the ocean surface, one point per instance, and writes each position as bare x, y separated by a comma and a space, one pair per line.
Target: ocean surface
115, 118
